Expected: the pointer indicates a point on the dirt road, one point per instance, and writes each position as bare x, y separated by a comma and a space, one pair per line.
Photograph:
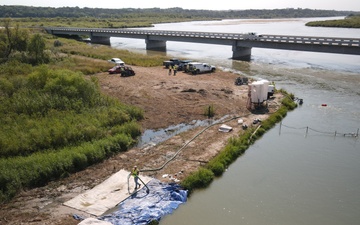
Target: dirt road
166, 100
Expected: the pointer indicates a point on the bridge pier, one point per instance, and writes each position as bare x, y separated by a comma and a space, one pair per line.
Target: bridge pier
100, 40
241, 53
155, 45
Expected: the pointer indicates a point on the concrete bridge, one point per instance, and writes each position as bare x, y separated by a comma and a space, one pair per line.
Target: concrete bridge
241, 43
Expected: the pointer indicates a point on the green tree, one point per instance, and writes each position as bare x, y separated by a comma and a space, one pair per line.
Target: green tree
12, 39
36, 50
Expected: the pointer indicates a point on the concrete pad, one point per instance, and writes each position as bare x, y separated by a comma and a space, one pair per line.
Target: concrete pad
106, 195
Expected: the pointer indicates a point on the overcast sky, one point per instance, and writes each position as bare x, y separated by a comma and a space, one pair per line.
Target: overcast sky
351, 5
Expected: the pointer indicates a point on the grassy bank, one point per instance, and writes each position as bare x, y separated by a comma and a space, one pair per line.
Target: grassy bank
235, 148
55, 122
69, 47
352, 21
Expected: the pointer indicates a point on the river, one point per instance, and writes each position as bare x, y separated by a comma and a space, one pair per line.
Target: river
299, 172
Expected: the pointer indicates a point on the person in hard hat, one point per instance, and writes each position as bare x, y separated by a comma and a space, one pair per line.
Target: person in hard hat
135, 173
170, 67
175, 68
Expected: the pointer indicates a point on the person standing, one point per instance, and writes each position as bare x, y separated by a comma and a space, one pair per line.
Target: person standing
170, 69
175, 69
135, 173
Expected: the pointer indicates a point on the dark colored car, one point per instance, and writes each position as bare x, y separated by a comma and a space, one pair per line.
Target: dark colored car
182, 65
171, 62
124, 71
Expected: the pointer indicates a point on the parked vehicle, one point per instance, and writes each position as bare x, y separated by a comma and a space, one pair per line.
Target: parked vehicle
171, 62
117, 61
124, 71
251, 36
174, 61
183, 64
241, 80
198, 67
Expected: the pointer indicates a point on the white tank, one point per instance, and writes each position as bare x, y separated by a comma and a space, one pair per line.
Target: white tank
259, 91
255, 92
265, 89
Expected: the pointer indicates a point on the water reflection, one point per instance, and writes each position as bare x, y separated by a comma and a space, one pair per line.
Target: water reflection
153, 137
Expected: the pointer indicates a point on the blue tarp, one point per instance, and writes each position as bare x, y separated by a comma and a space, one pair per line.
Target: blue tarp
143, 207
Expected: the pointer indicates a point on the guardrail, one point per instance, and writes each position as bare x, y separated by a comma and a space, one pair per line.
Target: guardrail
241, 43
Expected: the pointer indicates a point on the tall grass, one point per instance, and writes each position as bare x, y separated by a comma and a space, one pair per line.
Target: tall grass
73, 47
55, 122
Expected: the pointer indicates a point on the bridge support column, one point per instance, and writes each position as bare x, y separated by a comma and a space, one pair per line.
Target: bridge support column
241, 53
155, 45
100, 40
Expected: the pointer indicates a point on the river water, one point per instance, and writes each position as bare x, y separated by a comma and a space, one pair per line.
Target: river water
299, 172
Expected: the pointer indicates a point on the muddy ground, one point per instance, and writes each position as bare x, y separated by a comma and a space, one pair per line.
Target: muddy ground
166, 100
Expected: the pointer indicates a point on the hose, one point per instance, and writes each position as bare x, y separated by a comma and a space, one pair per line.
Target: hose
186, 144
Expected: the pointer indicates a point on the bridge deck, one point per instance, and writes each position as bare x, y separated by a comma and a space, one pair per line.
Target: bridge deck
340, 45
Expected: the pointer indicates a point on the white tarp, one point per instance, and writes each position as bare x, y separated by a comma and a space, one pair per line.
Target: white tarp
106, 195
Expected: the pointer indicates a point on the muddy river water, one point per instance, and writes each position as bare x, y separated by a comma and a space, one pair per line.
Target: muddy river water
304, 171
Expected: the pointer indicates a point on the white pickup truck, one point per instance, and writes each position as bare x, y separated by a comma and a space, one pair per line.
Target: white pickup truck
197, 67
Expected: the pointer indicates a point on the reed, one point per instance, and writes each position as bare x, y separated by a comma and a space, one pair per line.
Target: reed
55, 122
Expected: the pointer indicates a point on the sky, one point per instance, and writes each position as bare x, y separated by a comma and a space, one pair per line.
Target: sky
347, 5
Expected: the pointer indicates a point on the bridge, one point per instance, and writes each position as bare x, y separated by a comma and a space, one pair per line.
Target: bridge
241, 43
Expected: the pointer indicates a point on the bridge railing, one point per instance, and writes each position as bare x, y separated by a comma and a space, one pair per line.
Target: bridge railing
311, 40
353, 42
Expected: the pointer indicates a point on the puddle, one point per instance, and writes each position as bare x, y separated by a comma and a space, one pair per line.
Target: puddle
154, 137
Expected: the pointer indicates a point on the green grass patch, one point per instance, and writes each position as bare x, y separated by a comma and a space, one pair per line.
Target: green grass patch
352, 21
73, 47
55, 122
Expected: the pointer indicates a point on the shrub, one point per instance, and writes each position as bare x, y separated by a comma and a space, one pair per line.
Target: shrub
216, 167
57, 43
209, 111
199, 179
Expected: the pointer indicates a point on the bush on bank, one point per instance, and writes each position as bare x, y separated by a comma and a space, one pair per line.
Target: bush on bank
236, 147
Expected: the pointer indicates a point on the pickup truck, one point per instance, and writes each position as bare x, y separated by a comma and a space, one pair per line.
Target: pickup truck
181, 63
171, 62
198, 67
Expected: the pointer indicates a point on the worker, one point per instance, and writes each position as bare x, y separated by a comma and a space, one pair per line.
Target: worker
170, 69
135, 173
175, 69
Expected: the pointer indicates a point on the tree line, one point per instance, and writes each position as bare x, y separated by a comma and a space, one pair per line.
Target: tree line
76, 12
